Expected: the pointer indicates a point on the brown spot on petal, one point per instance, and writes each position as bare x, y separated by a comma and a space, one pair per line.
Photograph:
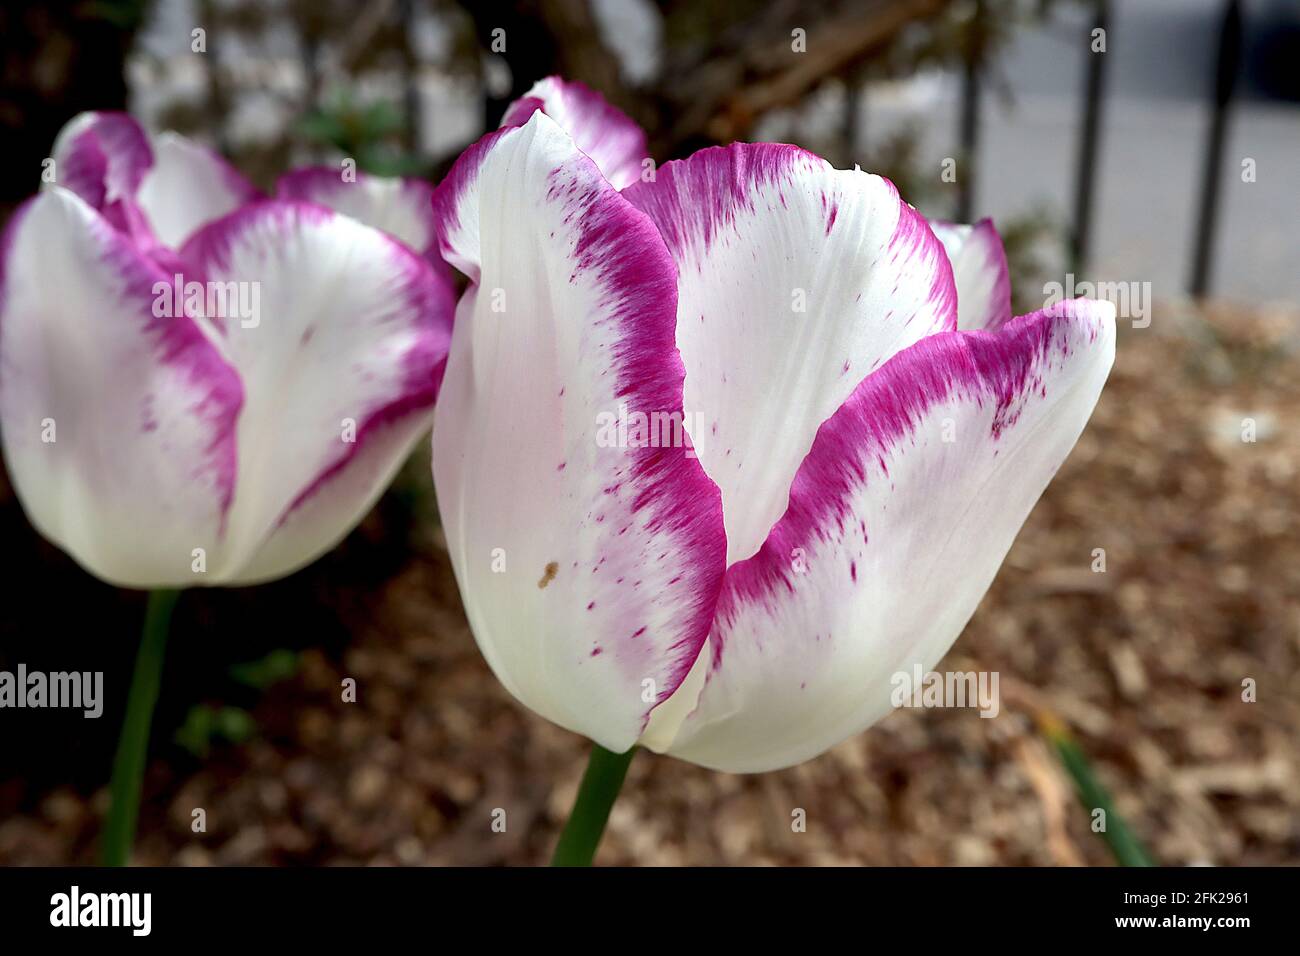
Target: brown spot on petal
548, 575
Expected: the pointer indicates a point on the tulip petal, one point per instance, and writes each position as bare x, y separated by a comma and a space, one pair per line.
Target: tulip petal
979, 268
118, 420
188, 186
400, 207
589, 566
898, 521
795, 281
605, 133
103, 157
339, 337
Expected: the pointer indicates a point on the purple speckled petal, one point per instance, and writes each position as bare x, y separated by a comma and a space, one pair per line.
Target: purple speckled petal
403, 208
588, 554
606, 134
898, 521
103, 157
340, 335
118, 411
187, 187
796, 280
979, 268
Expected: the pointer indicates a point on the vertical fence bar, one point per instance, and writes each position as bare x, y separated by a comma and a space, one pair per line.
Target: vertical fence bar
970, 119
1226, 69
1089, 137
411, 98
854, 99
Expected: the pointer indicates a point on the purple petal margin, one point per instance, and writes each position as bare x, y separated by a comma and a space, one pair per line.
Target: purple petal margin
607, 135
422, 290
884, 410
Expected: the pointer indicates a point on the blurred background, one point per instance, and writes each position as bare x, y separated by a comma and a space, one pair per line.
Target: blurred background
1160, 154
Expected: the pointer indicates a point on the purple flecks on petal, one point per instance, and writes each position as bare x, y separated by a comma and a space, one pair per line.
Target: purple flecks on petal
700, 195
606, 301
854, 446
672, 491
913, 238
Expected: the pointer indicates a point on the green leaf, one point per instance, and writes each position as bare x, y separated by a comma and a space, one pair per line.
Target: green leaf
1127, 849
235, 724
205, 724
195, 734
276, 666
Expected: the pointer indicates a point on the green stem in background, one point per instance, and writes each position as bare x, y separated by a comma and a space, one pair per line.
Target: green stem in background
133, 742
1125, 847
596, 795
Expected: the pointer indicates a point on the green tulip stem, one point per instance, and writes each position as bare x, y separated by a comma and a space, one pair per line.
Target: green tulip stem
133, 742
596, 795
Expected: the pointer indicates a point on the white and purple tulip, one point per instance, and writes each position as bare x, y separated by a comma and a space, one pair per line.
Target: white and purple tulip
858, 459
199, 385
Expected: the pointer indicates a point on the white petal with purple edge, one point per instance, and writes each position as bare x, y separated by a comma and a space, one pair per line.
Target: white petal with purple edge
339, 335
898, 522
102, 157
589, 568
400, 207
188, 186
796, 280
118, 419
979, 268
605, 133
